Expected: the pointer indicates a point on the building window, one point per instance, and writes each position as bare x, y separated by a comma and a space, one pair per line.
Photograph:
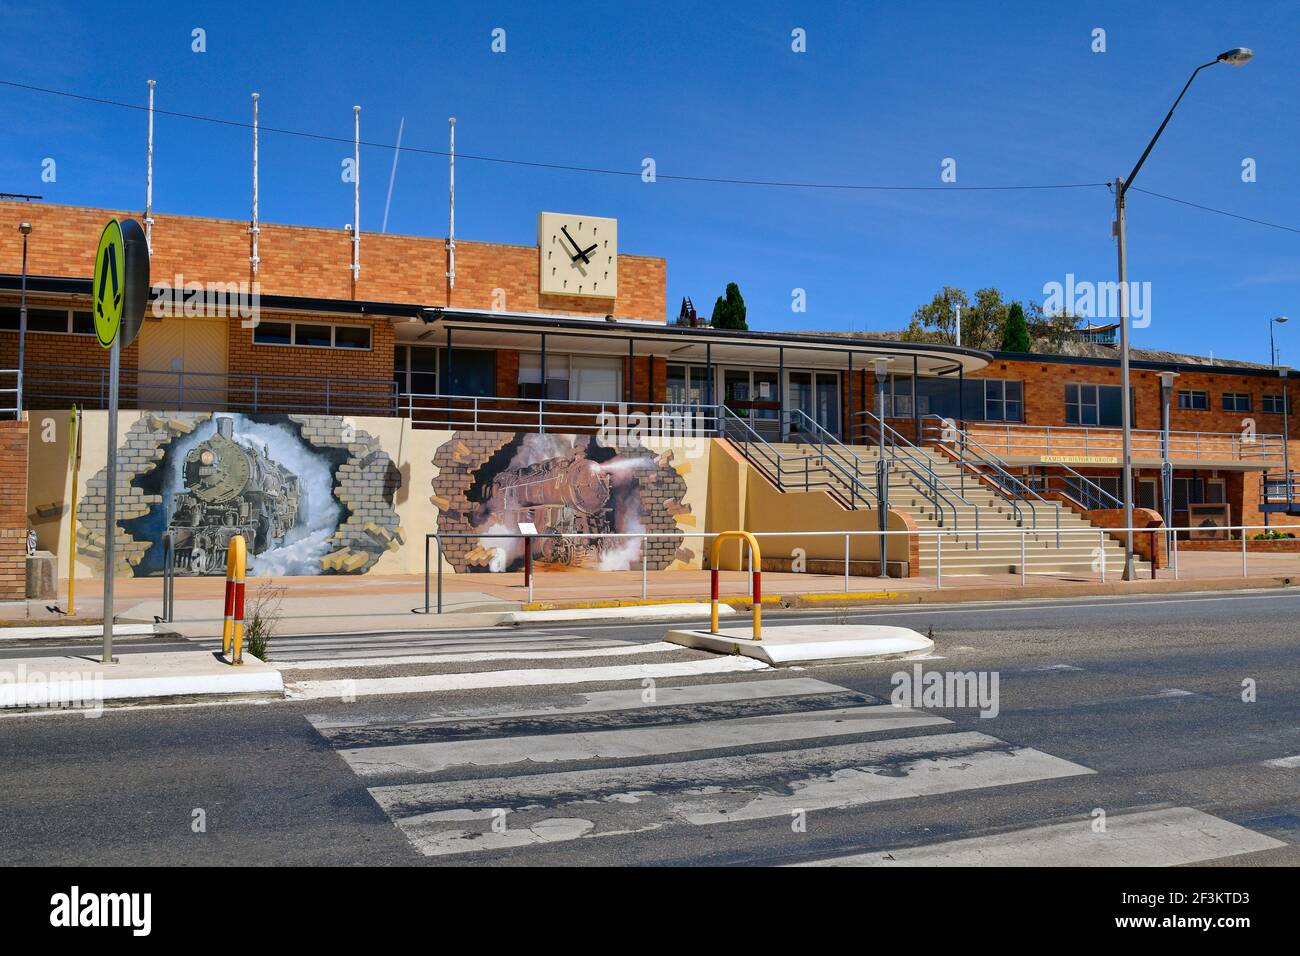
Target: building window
1003, 401
1193, 400
315, 335
1236, 402
1188, 491
594, 379
415, 369
1273, 404
687, 384
1081, 405
50, 321
473, 372
530, 376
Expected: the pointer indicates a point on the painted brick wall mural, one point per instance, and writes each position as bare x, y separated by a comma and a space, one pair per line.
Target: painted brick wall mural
310, 493
486, 483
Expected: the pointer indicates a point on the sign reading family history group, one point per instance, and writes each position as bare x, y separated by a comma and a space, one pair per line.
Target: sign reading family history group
120, 283
1079, 460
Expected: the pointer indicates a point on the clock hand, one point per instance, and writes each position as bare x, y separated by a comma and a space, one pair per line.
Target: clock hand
587, 250
573, 258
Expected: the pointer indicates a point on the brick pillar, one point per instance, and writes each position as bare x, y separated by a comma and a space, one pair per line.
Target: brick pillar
13, 510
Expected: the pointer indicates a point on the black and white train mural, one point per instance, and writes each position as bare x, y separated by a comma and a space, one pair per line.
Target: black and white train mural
310, 494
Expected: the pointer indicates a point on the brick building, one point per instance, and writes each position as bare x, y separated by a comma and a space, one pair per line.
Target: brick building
522, 342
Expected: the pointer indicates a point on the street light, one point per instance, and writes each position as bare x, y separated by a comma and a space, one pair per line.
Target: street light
1272, 352
26, 229
1166, 467
1238, 56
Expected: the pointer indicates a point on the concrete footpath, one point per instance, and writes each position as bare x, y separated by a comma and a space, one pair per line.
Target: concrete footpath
86, 683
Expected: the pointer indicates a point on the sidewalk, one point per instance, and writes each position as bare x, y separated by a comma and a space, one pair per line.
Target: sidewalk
371, 603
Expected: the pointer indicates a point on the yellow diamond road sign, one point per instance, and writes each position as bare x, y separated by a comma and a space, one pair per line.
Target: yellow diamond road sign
109, 288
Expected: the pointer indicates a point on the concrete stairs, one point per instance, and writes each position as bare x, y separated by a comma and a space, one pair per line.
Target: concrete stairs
964, 552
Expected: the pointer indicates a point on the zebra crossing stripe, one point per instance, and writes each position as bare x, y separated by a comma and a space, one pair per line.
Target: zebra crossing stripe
633, 742
461, 816
658, 647
587, 702
427, 683
1167, 837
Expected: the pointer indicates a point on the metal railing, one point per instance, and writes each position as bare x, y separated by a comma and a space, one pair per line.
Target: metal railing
1100, 563
920, 466
1090, 441
973, 456
11, 392
167, 390
1280, 492
796, 472
564, 416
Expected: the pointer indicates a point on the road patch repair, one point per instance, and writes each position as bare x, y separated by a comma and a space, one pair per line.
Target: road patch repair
786, 645
83, 682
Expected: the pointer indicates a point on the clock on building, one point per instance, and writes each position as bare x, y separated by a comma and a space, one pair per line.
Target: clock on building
578, 255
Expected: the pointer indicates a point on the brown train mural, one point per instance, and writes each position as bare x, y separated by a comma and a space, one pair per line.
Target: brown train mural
487, 483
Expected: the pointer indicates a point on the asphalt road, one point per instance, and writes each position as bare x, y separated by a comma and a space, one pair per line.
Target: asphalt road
1132, 707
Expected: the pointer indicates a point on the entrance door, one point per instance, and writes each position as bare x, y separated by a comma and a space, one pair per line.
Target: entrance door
817, 395
183, 364
751, 394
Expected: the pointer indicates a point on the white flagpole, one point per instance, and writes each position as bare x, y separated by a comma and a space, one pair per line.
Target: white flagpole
254, 230
451, 224
356, 193
148, 179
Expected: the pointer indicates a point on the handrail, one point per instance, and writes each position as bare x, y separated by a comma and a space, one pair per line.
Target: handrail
1023, 492
822, 435
773, 457
1092, 488
487, 413
897, 441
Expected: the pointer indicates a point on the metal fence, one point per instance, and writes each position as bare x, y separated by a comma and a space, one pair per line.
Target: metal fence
160, 389
565, 416
1087, 441
1158, 537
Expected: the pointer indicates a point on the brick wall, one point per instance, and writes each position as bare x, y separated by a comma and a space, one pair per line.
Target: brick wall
13, 510
307, 261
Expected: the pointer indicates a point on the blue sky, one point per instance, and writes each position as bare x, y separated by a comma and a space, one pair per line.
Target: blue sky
884, 93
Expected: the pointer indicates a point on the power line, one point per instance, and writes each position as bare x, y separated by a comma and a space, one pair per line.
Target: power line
1221, 212
782, 184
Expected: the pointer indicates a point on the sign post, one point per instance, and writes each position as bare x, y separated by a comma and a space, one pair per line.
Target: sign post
119, 291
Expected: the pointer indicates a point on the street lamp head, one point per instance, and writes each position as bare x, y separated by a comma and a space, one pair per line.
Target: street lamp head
25, 228
1237, 56
1281, 320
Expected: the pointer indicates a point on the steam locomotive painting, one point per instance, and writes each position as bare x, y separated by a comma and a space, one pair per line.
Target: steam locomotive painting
566, 495
230, 489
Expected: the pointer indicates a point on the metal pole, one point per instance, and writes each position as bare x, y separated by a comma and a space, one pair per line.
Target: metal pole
110, 498
22, 324
644, 580
1286, 434
1022, 557
451, 210
426, 574
356, 194
938, 561
1243, 551
780, 391
846, 564
1101, 550
253, 230
1126, 419
148, 179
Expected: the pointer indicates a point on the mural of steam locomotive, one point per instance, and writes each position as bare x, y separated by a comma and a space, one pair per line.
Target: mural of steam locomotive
566, 495
230, 489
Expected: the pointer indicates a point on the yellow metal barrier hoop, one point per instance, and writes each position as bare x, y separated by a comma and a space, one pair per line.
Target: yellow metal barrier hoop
756, 558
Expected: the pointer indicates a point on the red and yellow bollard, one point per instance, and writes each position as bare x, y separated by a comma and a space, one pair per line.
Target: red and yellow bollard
756, 563
232, 632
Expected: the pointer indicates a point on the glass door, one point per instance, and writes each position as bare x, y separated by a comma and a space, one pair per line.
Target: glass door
817, 395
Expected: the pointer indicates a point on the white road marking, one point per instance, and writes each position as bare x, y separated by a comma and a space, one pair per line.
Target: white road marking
366, 687
633, 741
1170, 837
658, 647
1285, 763
602, 700
748, 786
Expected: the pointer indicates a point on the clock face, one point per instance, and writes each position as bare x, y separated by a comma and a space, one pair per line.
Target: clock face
579, 255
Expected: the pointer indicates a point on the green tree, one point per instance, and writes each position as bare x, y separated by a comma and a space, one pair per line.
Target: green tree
935, 321
729, 311
1015, 333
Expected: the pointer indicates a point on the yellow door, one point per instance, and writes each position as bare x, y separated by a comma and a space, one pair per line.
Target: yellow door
183, 364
